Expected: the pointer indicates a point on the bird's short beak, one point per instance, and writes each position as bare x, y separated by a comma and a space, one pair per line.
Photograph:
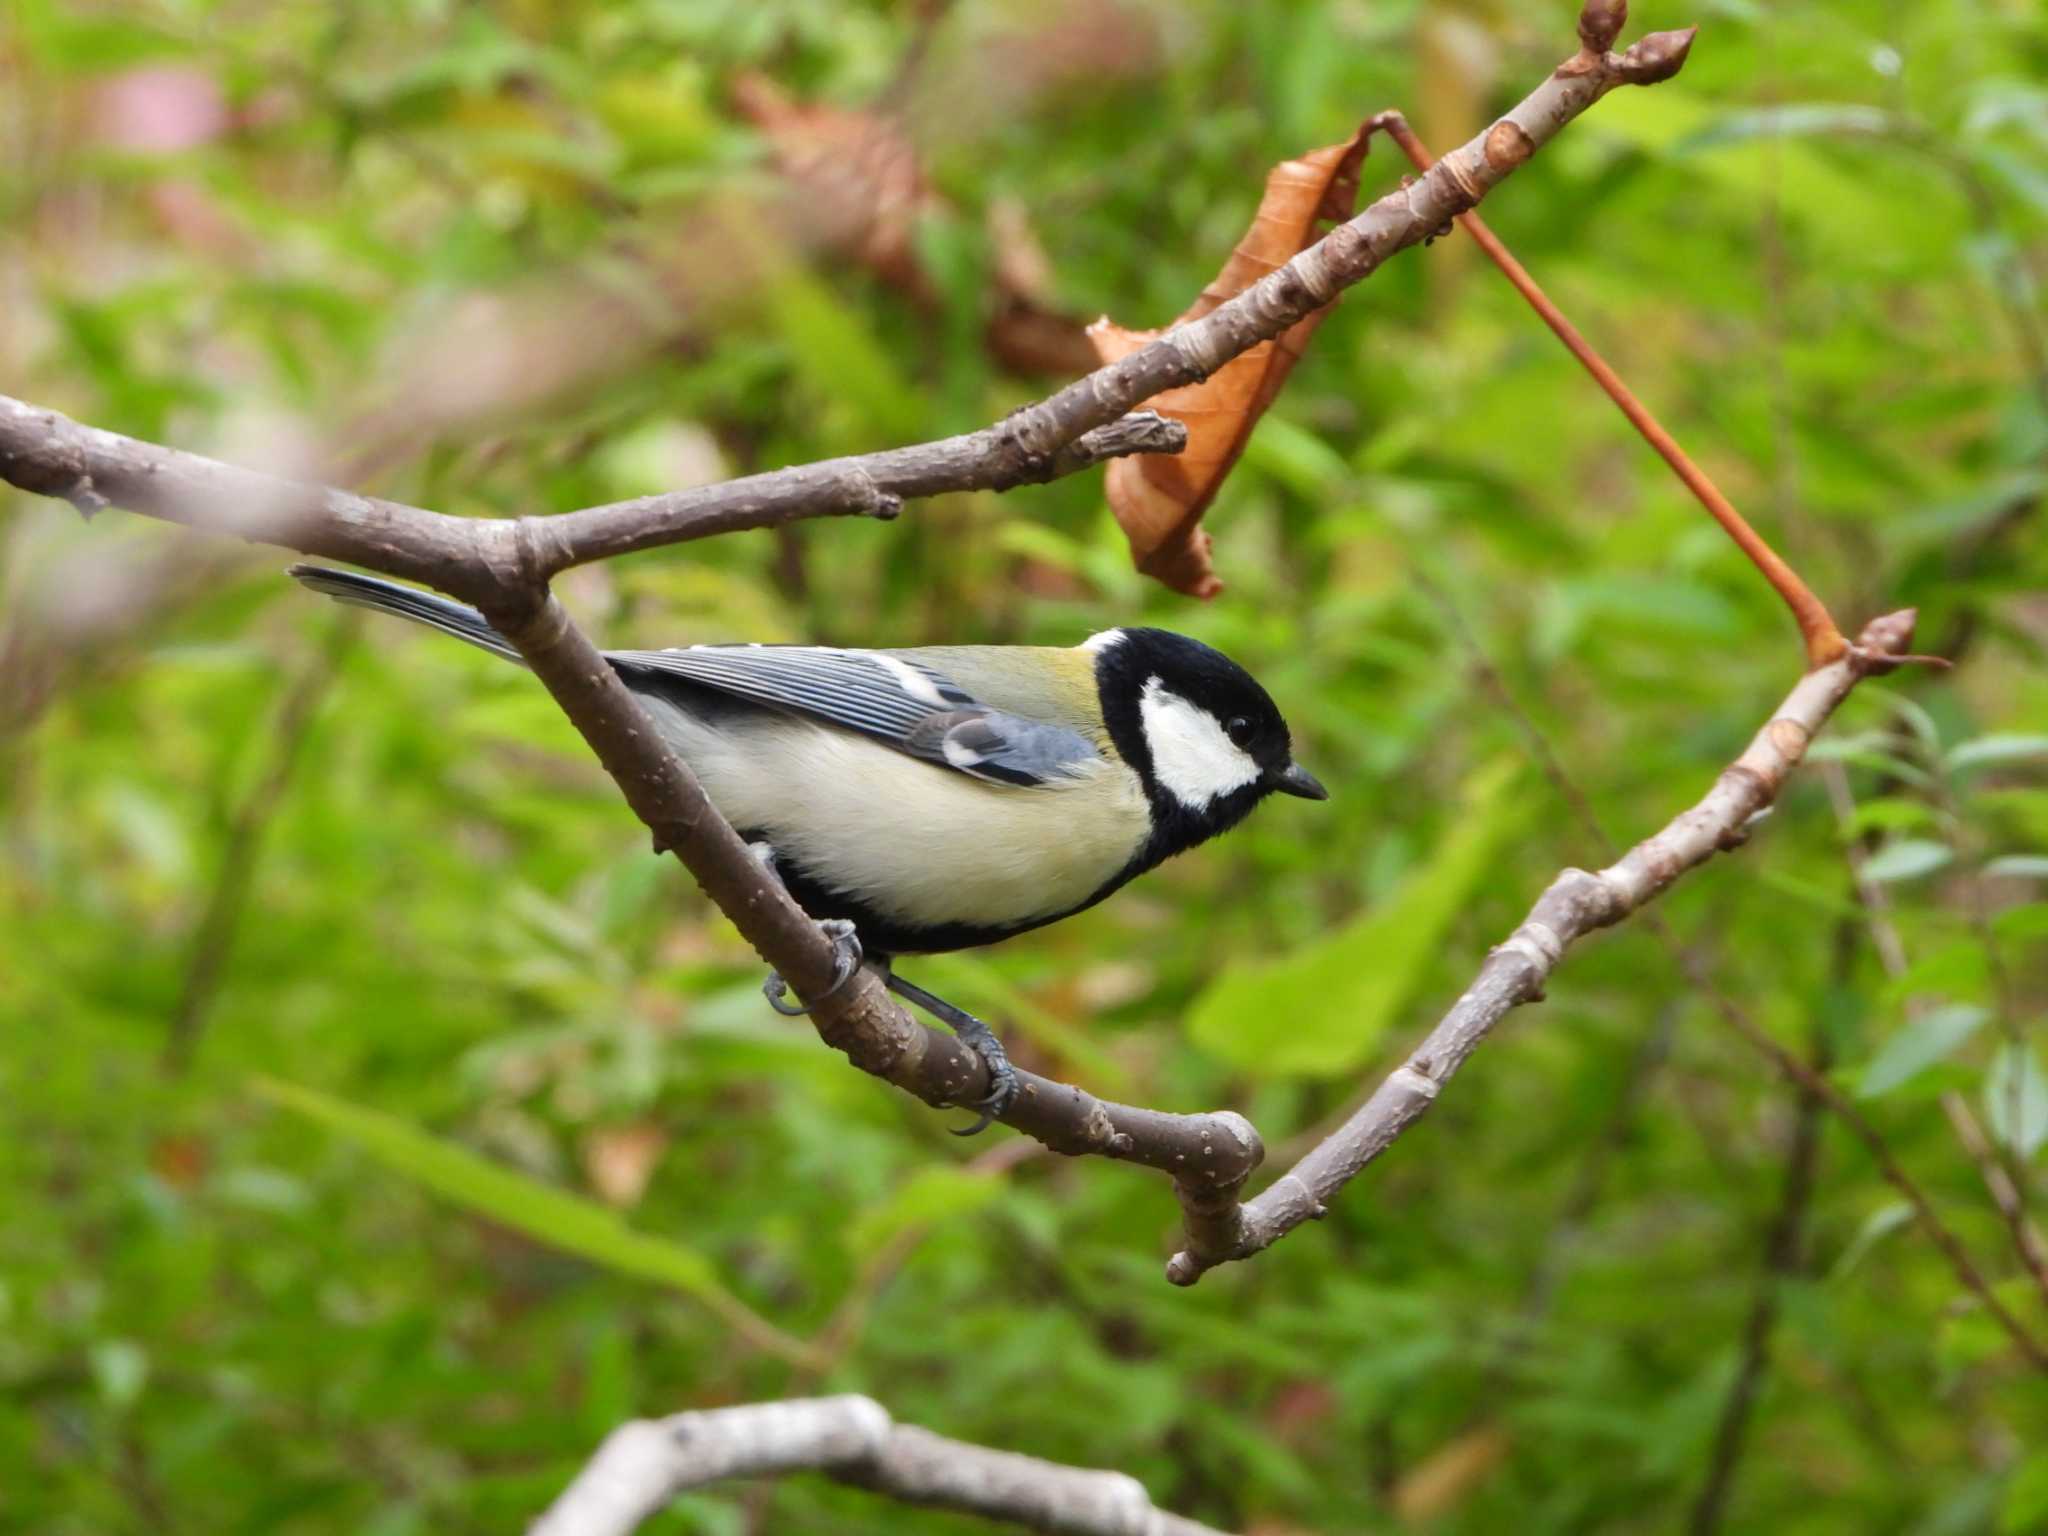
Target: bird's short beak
1297, 780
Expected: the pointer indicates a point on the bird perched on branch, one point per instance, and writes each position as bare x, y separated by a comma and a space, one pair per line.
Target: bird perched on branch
916, 801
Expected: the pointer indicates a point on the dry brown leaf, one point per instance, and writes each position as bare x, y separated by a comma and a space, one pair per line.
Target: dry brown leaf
857, 181
858, 188
1442, 1480
1159, 500
619, 1160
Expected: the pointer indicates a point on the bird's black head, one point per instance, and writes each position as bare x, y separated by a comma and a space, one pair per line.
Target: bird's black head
1198, 730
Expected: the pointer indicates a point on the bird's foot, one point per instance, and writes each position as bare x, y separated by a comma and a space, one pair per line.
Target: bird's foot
977, 1037
847, 957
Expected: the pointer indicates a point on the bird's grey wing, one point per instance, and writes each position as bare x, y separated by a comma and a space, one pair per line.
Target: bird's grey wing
895, 700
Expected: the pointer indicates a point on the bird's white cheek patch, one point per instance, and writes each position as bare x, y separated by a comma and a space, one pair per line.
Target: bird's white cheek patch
1190, 754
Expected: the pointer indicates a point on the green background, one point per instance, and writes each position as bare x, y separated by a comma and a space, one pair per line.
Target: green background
481, 1139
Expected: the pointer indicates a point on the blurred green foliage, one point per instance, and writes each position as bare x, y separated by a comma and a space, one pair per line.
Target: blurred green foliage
538, 1159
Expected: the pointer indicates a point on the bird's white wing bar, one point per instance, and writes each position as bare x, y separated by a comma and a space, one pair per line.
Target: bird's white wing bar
898, 702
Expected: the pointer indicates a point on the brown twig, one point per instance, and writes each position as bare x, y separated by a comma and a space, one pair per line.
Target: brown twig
1824, 641
643, 1465
480, 558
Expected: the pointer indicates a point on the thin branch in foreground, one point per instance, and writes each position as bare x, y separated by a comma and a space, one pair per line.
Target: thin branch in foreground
643, 1465
1824, 641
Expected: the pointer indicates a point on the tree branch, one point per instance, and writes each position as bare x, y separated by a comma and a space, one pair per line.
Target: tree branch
479, 559
504, 565
644, 1464
1812, 1085
1576, 904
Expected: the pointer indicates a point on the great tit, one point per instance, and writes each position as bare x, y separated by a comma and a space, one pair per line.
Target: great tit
938, 798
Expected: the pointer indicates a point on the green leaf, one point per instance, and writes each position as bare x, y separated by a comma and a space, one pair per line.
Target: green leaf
1297, 458
932, 1195
1968, 1335
1321, 1010
2019, 866
1907, 859
1889, 813
1858, 752
1962, 969
2016, 1099
1877, 1226
838, 354
120, 1369
2026, 1498
1917, 720
2022, 924
1986, 751
1931, 1037
547, 1215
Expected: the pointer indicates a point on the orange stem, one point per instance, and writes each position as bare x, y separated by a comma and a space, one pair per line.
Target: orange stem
1824, 641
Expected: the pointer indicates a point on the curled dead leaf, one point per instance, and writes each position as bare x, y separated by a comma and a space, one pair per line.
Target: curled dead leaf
1159, 500
854, 178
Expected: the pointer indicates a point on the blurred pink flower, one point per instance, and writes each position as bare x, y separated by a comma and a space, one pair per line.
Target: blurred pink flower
160, 109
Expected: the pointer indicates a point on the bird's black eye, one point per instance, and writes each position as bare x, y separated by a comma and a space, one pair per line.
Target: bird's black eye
1239, 730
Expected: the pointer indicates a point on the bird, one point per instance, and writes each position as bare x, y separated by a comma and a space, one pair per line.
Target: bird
936, 798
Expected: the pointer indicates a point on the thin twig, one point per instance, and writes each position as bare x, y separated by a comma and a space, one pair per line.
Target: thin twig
643, 1465
1824, 641
1784, 1257
1888, 1166
1891, 954
213, 940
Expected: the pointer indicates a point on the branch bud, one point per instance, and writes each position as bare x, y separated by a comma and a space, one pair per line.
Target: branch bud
1656, 57
1600, 23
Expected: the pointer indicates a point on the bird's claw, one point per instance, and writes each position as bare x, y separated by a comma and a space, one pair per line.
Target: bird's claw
847, 955
1002, 1079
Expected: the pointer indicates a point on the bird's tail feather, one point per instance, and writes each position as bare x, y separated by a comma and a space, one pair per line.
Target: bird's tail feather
422, 607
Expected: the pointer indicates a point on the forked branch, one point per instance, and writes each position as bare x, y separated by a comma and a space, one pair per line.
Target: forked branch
1577, 903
